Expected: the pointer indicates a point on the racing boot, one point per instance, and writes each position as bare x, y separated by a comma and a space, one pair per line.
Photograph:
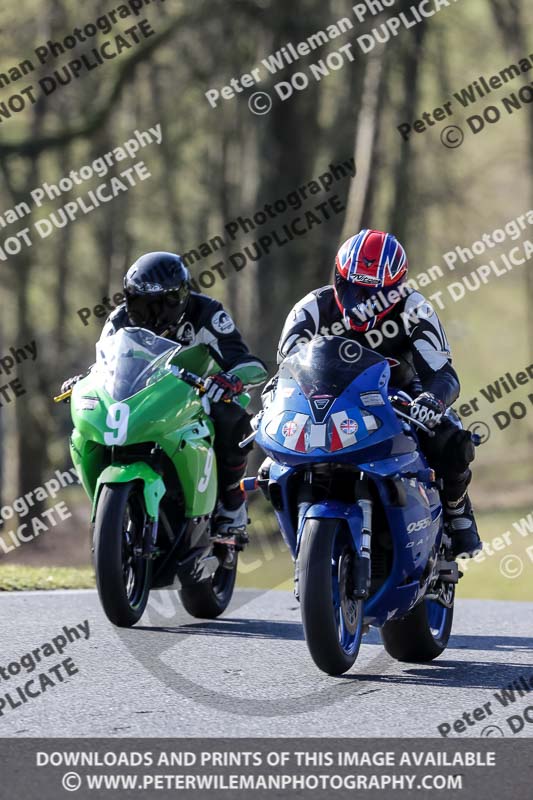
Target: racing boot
231, 523
231, 513
461, 527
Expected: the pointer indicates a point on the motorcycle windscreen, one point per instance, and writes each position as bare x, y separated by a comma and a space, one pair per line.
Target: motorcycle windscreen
130, 360
327, 365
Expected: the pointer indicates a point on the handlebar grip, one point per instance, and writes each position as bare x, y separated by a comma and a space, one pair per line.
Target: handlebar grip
415, 422
64, 396
191, 379
198, 383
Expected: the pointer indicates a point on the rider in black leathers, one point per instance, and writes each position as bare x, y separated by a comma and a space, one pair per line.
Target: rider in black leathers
159, 298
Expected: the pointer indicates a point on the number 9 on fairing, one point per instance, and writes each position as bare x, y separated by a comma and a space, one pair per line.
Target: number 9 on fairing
117, 420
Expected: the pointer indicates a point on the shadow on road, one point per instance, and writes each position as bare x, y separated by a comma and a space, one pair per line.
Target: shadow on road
450, 674
521, 644
234, 627
284, 630
475, 673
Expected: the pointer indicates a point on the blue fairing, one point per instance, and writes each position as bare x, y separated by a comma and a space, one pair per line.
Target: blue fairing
354, 424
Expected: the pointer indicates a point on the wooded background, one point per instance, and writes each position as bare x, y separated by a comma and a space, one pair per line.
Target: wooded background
217, 164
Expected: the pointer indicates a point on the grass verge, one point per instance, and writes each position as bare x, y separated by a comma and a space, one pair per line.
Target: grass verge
19, 578
503, 572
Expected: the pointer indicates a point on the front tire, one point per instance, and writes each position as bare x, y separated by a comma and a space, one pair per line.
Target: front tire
122, 579
209, 599
332, 619
423, 634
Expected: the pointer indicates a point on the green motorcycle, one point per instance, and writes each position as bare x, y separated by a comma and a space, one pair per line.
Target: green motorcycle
142, 445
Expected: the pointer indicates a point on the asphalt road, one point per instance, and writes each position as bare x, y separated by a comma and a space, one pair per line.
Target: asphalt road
249, 673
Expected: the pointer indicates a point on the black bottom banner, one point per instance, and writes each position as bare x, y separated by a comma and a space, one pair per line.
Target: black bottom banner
49, 769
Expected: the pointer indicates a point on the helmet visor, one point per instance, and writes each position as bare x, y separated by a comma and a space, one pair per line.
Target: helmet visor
156, 311
363, 303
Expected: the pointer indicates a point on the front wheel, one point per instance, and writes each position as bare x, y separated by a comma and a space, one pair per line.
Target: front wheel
210, 598
423, 634
332, 618
123, 580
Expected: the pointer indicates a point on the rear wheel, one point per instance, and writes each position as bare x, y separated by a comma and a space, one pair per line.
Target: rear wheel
210, 598
123, 580
332, 618
424, 633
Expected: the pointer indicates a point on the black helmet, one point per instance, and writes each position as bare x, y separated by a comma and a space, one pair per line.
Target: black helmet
157, 291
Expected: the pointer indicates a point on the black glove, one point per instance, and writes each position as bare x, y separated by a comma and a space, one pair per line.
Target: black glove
428, 409
222, 386
69, 383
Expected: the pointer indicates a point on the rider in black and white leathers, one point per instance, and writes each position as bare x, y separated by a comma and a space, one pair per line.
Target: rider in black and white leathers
415, 341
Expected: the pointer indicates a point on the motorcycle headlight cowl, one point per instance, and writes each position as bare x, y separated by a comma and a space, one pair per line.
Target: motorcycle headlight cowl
297, 432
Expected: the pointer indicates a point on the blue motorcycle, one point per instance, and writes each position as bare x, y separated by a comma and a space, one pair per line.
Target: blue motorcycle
357, 505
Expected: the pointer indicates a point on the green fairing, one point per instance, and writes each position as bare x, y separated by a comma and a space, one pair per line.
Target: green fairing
153, 490
167, 412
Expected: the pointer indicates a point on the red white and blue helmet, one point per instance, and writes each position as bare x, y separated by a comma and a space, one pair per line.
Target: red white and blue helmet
368, 268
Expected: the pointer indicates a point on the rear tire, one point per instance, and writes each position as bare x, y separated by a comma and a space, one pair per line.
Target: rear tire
209, 599
123, 581
332, 621
422, 635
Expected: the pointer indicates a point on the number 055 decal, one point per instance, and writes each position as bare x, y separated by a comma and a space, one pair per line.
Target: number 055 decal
419, 526
117, 420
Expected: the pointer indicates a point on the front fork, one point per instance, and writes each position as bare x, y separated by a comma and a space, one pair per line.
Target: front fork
146, 547
362, 567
